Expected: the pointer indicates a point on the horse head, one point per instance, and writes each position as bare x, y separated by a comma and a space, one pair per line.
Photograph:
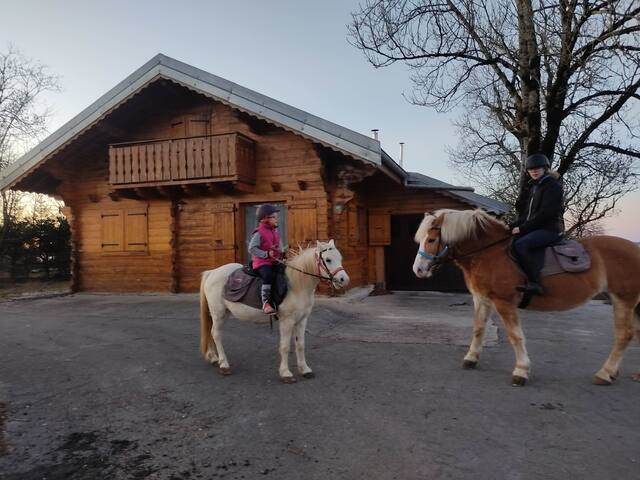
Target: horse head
445, 230
431, 249
329, 264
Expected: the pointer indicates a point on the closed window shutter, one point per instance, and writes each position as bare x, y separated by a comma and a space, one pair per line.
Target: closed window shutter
136, 230
112, 231
224, 234
379, 229
302, 224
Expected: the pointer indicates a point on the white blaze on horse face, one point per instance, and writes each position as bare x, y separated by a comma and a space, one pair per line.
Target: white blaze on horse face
421, 265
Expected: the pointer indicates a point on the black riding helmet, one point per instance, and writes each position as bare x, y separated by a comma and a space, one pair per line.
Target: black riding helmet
265, 210
537, 160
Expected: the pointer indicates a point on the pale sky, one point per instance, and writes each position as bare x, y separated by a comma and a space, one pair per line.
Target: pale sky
295, 51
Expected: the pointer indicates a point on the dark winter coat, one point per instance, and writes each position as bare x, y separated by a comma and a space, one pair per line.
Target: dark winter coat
544, 207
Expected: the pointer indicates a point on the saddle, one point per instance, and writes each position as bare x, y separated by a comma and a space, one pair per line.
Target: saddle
567, 256
244, 285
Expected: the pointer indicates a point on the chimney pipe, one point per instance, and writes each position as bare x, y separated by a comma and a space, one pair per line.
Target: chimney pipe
401, 154
374, 131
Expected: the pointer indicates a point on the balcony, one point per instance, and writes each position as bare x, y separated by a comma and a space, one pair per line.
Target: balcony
183, 162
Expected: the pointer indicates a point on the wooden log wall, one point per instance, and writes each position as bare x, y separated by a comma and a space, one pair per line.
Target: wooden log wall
356, 228
288, 170
201, 229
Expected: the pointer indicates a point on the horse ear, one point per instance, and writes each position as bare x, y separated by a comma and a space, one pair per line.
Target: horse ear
331, 244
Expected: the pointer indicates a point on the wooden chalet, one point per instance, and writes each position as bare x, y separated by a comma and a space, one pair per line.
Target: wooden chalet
161, 177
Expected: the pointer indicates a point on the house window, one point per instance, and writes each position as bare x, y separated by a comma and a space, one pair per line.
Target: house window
124, 230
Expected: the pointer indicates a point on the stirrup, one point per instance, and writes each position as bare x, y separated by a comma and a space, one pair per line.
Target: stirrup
267, 309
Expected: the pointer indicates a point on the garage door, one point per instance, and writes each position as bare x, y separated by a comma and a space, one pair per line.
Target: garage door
399, 257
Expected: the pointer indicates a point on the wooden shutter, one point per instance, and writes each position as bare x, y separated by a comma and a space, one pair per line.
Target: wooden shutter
224, 234
135, 230
379, 228
112, 231
302, 224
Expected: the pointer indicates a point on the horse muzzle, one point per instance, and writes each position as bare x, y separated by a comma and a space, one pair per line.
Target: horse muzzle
340, 280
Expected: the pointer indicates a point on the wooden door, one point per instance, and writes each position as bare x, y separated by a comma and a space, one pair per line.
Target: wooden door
302, 224
224, 234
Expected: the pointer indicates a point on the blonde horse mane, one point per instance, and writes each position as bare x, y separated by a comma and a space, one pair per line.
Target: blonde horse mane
457, 225
303, 259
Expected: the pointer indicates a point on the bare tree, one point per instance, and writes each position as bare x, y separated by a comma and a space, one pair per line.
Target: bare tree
557, 77
22, 117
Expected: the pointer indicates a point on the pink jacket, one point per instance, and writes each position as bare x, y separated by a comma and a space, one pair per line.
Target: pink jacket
269, 240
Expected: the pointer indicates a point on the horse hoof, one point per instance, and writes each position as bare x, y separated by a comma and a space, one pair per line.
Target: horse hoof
518, 381
635, 377
224, 371
288, 380
309, 375
469, 364
601, 381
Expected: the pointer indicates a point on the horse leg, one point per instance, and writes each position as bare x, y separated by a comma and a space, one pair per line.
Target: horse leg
509, 315
219, 316
482, 310
286, 329
623, 333
299, 331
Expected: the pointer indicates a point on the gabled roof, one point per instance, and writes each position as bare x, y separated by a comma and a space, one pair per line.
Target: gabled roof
290, 118
464, 194
317, 129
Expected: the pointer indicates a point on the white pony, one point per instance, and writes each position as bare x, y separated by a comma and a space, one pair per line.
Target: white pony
304, 271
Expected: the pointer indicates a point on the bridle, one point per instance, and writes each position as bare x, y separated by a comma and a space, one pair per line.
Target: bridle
439, 257
321, 266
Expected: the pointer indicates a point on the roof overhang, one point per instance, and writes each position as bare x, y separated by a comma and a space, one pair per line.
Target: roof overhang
329, 134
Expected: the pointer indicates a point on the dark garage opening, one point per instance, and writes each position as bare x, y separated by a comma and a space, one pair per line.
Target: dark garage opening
399, 257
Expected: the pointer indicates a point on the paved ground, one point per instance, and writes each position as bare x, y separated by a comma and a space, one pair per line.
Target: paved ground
112, 387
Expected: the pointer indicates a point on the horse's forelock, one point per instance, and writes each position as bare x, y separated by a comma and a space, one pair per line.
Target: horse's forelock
424, 227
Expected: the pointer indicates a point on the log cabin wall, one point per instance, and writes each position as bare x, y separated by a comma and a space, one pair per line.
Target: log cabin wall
206, 226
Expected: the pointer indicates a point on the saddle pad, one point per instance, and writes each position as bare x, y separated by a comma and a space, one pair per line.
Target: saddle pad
568, 256
244, 286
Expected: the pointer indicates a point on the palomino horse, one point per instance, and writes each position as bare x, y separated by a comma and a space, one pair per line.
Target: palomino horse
304, 271
476, 242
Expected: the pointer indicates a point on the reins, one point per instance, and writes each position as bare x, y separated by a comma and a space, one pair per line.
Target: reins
481, 248
321, 264
442, 257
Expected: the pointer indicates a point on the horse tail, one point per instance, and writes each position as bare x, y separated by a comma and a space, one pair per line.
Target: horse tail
205, 318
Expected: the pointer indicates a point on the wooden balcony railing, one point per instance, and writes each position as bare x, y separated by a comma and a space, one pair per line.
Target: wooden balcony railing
212, 158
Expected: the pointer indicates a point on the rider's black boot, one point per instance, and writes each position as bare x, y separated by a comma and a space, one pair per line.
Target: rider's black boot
532, 288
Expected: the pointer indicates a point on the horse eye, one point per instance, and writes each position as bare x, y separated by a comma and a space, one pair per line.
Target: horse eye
431, 240
328, 260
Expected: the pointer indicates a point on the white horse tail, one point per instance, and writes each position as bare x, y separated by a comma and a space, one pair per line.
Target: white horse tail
205, 318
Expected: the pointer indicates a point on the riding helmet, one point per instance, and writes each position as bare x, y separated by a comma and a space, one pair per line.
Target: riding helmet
537, 160
265, 210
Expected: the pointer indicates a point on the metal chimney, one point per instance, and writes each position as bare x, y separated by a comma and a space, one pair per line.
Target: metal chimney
401, 154
374, 132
